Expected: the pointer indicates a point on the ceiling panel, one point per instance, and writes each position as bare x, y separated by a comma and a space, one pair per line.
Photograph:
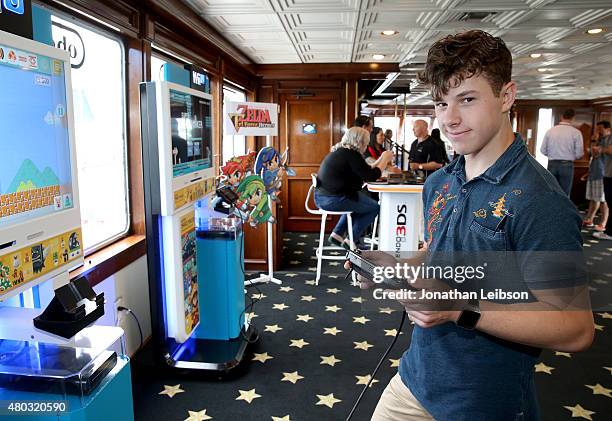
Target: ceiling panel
332, 31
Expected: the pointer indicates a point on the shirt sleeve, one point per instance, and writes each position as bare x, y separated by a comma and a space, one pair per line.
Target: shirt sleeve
579, 145
544, 148
362, 169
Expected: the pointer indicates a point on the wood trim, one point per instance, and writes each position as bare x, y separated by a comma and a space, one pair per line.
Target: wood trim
325, 71
111, 259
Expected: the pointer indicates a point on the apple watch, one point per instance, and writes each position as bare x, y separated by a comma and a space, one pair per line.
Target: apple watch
468, 319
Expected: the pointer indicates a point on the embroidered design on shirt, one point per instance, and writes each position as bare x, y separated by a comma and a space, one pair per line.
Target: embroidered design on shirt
480, 213
517, 192
435, 211
499, 207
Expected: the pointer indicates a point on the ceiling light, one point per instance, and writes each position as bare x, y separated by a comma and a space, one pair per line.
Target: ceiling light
535, 55
594, 31
389, 33
378, 56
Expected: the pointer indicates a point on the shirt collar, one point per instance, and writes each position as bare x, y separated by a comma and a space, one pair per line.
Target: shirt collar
496, 172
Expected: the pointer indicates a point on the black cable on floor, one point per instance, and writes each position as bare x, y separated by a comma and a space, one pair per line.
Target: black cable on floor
122, 308
399, 331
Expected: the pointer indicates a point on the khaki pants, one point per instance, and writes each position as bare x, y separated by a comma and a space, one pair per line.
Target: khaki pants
397, 403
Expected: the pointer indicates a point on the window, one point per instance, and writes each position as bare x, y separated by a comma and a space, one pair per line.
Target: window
545, 121
99, 116
233, 145
156, 68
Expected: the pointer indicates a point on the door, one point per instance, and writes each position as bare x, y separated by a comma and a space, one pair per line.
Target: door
307, 148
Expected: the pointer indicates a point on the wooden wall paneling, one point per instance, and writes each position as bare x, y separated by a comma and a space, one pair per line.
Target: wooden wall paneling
138, 63
351, 102
306, 151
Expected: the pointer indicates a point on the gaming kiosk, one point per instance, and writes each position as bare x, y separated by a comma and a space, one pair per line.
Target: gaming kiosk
194, 253
54, 365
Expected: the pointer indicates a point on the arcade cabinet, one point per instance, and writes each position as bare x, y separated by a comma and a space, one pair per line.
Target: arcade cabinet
179, 171
52, 360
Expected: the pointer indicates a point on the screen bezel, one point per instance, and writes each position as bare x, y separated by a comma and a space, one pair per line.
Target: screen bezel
38, 229
168, 183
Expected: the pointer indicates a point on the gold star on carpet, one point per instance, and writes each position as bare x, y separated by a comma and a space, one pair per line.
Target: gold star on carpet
310, 282
365, 379
333, 308
312, 269
171, 390
304, 318
543, 368
328, 400
251, 315
394, 363
333, 290
198, 416
280, 306
258, 296
600, 390
563, 354
609, 369
605, 315
291, 275
361, 320
298, 252
286, 239
362, 345
272, 328
357, 300
291, 377
262, 358
294, 262
390, 332
333, 276
334, 263
298, 343
599, 327
304, 236
331, 360
308, 298
285, 289
247, 395
285, 418
331, 331
387, 310
578, 411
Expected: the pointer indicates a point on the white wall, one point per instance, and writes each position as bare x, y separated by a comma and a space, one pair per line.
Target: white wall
128, 288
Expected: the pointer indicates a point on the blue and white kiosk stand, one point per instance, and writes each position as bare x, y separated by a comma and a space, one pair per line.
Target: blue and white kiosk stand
194, 262
54, 365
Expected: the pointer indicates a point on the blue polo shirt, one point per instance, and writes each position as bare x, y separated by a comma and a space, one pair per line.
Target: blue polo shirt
515, 205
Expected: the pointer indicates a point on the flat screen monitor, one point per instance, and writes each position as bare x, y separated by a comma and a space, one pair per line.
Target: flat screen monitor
186, 150
191, 133
38, 188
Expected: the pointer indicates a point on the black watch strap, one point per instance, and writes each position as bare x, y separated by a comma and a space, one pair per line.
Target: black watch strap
469, 317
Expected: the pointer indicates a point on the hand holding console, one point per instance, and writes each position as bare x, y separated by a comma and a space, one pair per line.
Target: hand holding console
365, 266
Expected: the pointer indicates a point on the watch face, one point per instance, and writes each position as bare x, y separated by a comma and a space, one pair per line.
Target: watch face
468, 319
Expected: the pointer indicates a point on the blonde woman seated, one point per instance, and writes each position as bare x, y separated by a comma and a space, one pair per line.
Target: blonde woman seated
339, 183
375, 150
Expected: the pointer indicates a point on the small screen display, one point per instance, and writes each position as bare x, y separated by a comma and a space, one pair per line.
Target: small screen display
35, 174
191, 127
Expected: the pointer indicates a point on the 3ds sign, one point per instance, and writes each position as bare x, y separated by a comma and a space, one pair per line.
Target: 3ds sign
198, 79
16, 17
68, 39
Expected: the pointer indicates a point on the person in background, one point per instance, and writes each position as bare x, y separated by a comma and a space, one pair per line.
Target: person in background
563, 145
389, 136
339, 184
594, 187
375, 149
605, 143
364, 122
425, 153
435, 135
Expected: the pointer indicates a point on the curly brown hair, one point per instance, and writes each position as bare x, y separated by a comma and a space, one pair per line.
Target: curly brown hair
457, 57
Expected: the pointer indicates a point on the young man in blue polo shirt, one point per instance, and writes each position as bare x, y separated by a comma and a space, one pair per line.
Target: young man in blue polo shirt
476, 362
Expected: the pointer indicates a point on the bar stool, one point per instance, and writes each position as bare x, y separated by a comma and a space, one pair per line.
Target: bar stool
373, 240
322, 248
